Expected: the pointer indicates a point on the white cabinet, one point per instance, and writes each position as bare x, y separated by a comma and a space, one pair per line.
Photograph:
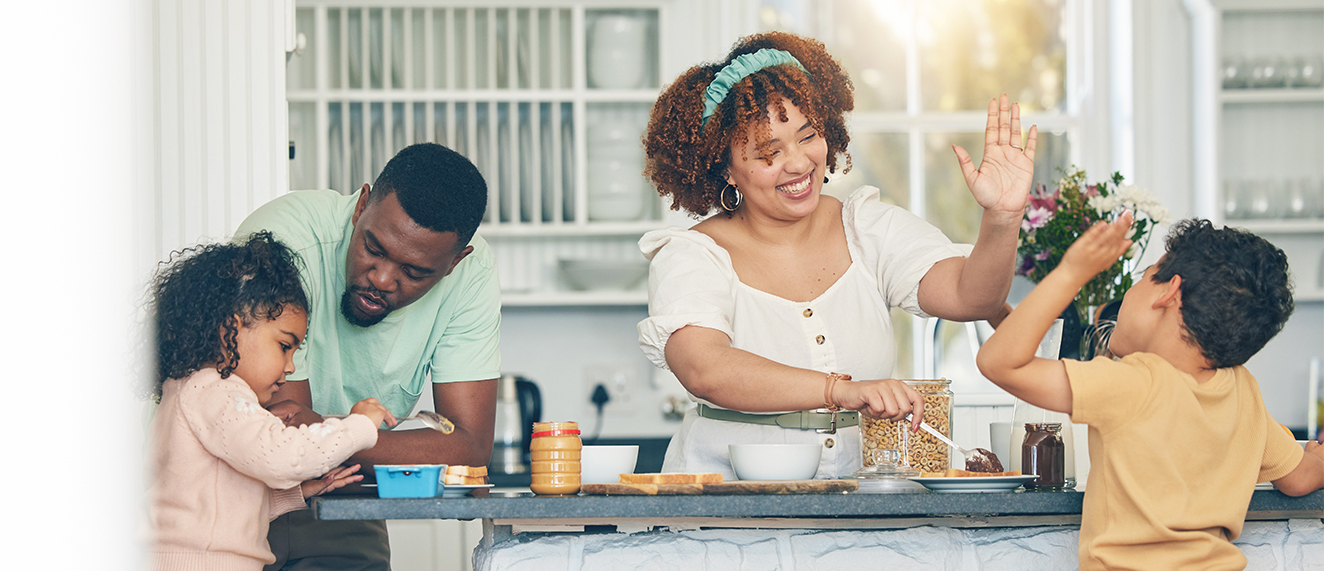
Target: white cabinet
549, 99
1265, 121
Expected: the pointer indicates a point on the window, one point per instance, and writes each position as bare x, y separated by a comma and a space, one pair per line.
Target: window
924, 71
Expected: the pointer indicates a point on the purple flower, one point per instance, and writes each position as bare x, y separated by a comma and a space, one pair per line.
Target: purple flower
1091, 190
1036, 217
1027, 265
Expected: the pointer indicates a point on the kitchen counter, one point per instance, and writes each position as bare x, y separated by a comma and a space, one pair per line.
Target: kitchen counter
1036, 530
1265, 504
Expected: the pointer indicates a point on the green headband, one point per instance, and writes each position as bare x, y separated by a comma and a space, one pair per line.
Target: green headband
739, 69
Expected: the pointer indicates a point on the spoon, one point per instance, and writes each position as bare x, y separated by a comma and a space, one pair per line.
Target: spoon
430, 419
978, 455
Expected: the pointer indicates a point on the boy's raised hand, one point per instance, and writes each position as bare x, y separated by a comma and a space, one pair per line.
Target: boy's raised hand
1098, 248
374, 410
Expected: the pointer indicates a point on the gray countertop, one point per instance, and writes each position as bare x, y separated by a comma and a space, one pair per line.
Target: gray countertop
1264, 505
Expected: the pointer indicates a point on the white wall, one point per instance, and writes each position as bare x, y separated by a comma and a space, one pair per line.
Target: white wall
1166, 164
74, 77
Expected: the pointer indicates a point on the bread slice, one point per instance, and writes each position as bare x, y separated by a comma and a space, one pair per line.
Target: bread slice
459, 480
956, 473
713, 478
470, 471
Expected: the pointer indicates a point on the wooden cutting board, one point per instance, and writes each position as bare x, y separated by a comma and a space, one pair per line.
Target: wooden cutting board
738, 487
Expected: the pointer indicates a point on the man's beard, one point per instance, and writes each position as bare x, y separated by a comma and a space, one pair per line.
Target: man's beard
347, 308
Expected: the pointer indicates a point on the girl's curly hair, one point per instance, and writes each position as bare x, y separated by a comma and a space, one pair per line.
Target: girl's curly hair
197, 293
688, 160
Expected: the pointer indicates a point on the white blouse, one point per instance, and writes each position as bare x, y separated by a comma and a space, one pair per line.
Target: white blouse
846, 329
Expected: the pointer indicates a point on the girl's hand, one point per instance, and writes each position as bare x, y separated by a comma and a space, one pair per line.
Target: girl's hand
1098, 248
374, 410
1002, 182
888, 399
337, 478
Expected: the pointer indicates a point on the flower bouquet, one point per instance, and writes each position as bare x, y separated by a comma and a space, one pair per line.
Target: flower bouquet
1054, 219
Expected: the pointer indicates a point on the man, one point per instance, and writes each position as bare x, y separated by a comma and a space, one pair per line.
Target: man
400, 290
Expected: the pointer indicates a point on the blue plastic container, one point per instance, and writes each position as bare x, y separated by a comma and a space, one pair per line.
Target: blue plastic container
410, 481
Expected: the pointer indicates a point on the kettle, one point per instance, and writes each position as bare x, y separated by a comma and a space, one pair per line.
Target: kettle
518, 406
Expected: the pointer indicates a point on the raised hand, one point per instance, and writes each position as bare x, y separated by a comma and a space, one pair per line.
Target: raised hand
1098, 248
1002, 181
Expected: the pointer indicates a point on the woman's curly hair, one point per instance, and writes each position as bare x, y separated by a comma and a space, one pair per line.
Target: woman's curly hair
197, 293
688, 160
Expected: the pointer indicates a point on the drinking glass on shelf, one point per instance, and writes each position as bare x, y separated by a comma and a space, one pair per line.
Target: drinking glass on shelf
1235, 73
1233, 207
1313, 189
1294, 198
1257, 198
1267, 73
1310, 71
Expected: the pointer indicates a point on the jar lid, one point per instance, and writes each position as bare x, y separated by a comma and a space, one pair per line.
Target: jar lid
887, 475
886, 464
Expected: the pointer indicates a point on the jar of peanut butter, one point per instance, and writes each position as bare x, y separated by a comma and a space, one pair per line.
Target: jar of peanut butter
554, 458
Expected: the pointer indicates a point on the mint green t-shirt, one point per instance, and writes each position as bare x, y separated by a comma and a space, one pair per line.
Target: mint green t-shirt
451, 333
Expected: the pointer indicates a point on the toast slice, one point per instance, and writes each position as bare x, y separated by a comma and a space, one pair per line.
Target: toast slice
957, 473
470, 471
460, 480
655, 478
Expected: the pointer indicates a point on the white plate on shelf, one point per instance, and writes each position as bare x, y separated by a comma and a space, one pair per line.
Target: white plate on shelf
975, 483
461, 490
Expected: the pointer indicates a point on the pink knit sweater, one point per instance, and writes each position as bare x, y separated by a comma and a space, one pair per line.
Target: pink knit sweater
225, 467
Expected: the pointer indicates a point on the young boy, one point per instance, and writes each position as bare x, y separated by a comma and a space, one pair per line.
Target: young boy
1178, 431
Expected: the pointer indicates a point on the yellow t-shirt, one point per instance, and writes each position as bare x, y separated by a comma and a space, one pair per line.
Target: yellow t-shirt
1173, 462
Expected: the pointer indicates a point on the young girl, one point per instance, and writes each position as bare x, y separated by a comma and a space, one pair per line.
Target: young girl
228, 319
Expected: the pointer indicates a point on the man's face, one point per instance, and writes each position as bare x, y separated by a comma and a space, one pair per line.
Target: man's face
392, 261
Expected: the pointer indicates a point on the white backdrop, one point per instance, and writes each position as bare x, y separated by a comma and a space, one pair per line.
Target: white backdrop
68, 152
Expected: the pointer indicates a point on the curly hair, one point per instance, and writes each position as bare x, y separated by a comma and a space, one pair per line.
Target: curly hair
1236, 291
197, 293
689, 161
437, 187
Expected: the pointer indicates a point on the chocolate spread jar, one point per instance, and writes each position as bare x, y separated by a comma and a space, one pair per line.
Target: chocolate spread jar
1043, 455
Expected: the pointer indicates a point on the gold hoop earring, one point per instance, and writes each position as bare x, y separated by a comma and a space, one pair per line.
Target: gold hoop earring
721, 198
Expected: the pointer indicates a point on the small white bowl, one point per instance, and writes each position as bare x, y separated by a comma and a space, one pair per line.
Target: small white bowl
605, 464
585, 274
775, 461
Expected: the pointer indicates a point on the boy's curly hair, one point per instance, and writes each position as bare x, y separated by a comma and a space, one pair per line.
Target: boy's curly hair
197, 293
688, 160
1236, 291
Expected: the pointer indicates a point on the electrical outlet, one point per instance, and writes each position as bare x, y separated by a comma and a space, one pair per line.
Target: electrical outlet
622, 385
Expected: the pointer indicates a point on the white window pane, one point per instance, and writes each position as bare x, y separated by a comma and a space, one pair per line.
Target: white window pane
950, 206
866, 39
877, 159
972, 50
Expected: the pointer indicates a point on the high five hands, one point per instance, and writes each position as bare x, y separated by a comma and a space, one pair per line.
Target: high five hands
1002, 181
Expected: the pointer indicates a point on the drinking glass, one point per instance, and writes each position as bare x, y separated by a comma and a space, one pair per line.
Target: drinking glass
1310, 71
1294, 198
1235, 73
1266, 73
1233, 207
1257, 198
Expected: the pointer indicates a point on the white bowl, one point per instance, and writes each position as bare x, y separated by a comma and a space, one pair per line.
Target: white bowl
775, 461
605, 464
603, 274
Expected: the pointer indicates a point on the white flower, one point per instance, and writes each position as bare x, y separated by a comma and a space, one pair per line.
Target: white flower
246, 406
1137, 200
320, 429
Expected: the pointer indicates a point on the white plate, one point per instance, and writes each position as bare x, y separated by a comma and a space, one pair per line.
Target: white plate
461, 490
975, 483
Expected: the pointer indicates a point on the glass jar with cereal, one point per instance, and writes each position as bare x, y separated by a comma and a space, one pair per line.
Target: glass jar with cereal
920, 451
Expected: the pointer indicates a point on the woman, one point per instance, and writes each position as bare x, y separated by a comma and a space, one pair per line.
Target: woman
780, 303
